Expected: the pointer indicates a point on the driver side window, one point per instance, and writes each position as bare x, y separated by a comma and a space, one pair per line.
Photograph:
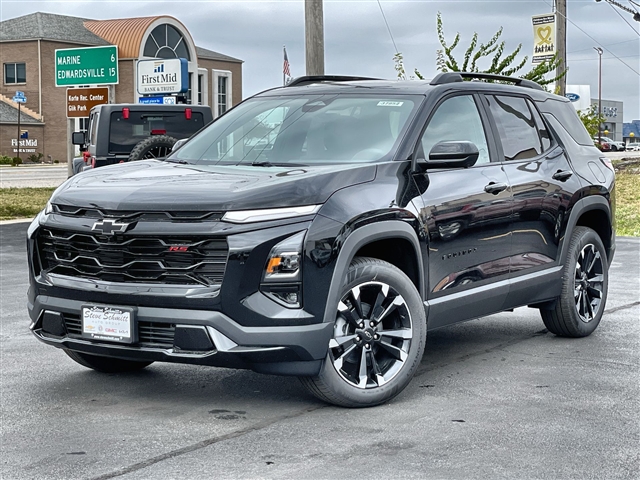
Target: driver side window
457, 119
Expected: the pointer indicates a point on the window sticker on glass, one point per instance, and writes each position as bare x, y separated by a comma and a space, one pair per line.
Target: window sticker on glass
388, 103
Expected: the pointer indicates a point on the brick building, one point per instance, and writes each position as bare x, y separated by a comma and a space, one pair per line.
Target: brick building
27, 54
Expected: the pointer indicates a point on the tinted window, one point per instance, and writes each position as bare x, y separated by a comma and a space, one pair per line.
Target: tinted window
304, 130
456, 119
126, 133
543, 132
516, 127
568, 117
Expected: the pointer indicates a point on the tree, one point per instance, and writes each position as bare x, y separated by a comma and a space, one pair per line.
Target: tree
475, 52
591, 120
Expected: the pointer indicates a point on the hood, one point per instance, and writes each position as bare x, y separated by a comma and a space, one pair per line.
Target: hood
153, 185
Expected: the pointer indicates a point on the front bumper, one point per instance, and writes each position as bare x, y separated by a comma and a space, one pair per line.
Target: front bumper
217, 340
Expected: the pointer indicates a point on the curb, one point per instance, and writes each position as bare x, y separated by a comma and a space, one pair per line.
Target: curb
17, 220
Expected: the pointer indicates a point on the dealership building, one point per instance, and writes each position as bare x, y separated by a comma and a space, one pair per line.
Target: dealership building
28, 47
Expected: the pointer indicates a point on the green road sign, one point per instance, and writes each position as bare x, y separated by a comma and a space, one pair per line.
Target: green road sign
87, 66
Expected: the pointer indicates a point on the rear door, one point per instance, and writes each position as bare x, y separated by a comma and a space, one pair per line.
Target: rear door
542, 182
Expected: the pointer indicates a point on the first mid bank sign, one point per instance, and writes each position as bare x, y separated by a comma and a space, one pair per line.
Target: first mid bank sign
162, 76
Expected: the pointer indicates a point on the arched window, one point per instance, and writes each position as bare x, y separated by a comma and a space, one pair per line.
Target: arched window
165, 41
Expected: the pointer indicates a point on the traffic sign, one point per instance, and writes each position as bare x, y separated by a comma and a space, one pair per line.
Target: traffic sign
87, 66
80, 101
19, 99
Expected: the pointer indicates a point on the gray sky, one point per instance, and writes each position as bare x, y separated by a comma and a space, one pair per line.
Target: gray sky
357, 41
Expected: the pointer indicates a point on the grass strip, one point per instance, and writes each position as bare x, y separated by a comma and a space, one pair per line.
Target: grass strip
628, 204
22, 202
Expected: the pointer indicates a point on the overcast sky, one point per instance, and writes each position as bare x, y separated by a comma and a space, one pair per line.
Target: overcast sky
357, 41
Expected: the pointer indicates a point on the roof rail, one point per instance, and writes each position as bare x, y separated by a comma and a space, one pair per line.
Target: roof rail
308, 79
452, 77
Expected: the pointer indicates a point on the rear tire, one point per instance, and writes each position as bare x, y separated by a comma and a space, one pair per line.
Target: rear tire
379, 337
578, 310
106, 364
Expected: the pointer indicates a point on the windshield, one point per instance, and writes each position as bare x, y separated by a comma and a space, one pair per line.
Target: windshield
303, 131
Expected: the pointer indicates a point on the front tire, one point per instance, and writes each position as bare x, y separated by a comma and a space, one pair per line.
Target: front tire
379, 337
106, 364
578, 310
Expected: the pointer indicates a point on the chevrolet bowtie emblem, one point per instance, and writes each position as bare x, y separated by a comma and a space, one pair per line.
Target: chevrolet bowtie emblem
110, 227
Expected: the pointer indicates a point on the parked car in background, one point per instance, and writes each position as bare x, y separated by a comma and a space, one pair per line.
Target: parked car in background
633, 147
120, 133
614, 146
604, 146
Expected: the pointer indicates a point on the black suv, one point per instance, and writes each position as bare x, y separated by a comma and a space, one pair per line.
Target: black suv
321, 229
130, 131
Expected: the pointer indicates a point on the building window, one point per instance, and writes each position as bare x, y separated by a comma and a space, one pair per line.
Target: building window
15, 73
222, 95
222, 92
200, 89
165, 41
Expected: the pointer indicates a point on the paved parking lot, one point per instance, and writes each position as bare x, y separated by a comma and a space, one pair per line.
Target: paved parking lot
494, 398
36, 176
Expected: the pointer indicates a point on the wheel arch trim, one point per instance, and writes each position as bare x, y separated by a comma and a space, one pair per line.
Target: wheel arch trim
582, 206
365, 235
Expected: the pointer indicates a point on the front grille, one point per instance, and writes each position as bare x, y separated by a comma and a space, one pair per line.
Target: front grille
150, 334
129, 259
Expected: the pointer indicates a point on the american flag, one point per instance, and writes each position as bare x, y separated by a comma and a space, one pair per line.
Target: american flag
285, 66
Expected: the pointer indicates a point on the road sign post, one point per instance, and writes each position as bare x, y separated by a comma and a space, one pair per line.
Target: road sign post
19, 98
87, 66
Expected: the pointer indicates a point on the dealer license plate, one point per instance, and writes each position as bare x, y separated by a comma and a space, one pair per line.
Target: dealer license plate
114, 324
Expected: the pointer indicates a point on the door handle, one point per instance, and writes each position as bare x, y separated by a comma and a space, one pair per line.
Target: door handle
562, 175
495, 188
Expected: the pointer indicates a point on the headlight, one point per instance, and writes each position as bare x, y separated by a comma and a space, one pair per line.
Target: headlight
282, 272
48, 208
247, 216
283, 264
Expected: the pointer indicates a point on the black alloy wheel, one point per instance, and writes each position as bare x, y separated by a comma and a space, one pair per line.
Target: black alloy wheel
378, 337
372, 335
579, 309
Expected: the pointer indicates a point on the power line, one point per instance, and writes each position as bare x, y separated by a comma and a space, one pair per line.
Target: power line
603, 47
625, 20
388, 28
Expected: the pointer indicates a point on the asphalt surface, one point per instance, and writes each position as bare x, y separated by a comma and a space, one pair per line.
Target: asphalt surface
494, 398
36, 176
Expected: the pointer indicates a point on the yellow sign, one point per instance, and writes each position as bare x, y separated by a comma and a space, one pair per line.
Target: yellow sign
544, 37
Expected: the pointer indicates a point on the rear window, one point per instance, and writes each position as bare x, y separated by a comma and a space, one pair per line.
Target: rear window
124, 134
568, 118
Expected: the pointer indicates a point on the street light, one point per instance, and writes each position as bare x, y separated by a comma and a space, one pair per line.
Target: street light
600, 52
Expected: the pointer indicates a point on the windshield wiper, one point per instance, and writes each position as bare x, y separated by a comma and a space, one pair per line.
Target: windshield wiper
269, 164
181, 162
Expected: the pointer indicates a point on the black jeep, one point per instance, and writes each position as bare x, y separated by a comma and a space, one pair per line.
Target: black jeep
321, 229
129, 131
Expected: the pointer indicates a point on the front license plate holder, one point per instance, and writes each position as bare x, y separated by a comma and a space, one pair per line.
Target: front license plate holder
108, 323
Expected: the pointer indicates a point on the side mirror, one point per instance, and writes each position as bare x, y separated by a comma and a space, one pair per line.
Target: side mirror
452, 155
78, 138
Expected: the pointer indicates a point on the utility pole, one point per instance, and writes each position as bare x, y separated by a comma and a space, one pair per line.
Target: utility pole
314, 37
600, 52
561, 34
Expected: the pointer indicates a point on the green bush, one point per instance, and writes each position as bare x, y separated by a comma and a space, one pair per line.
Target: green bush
56, 161
35, 157
5, 160
16, 161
